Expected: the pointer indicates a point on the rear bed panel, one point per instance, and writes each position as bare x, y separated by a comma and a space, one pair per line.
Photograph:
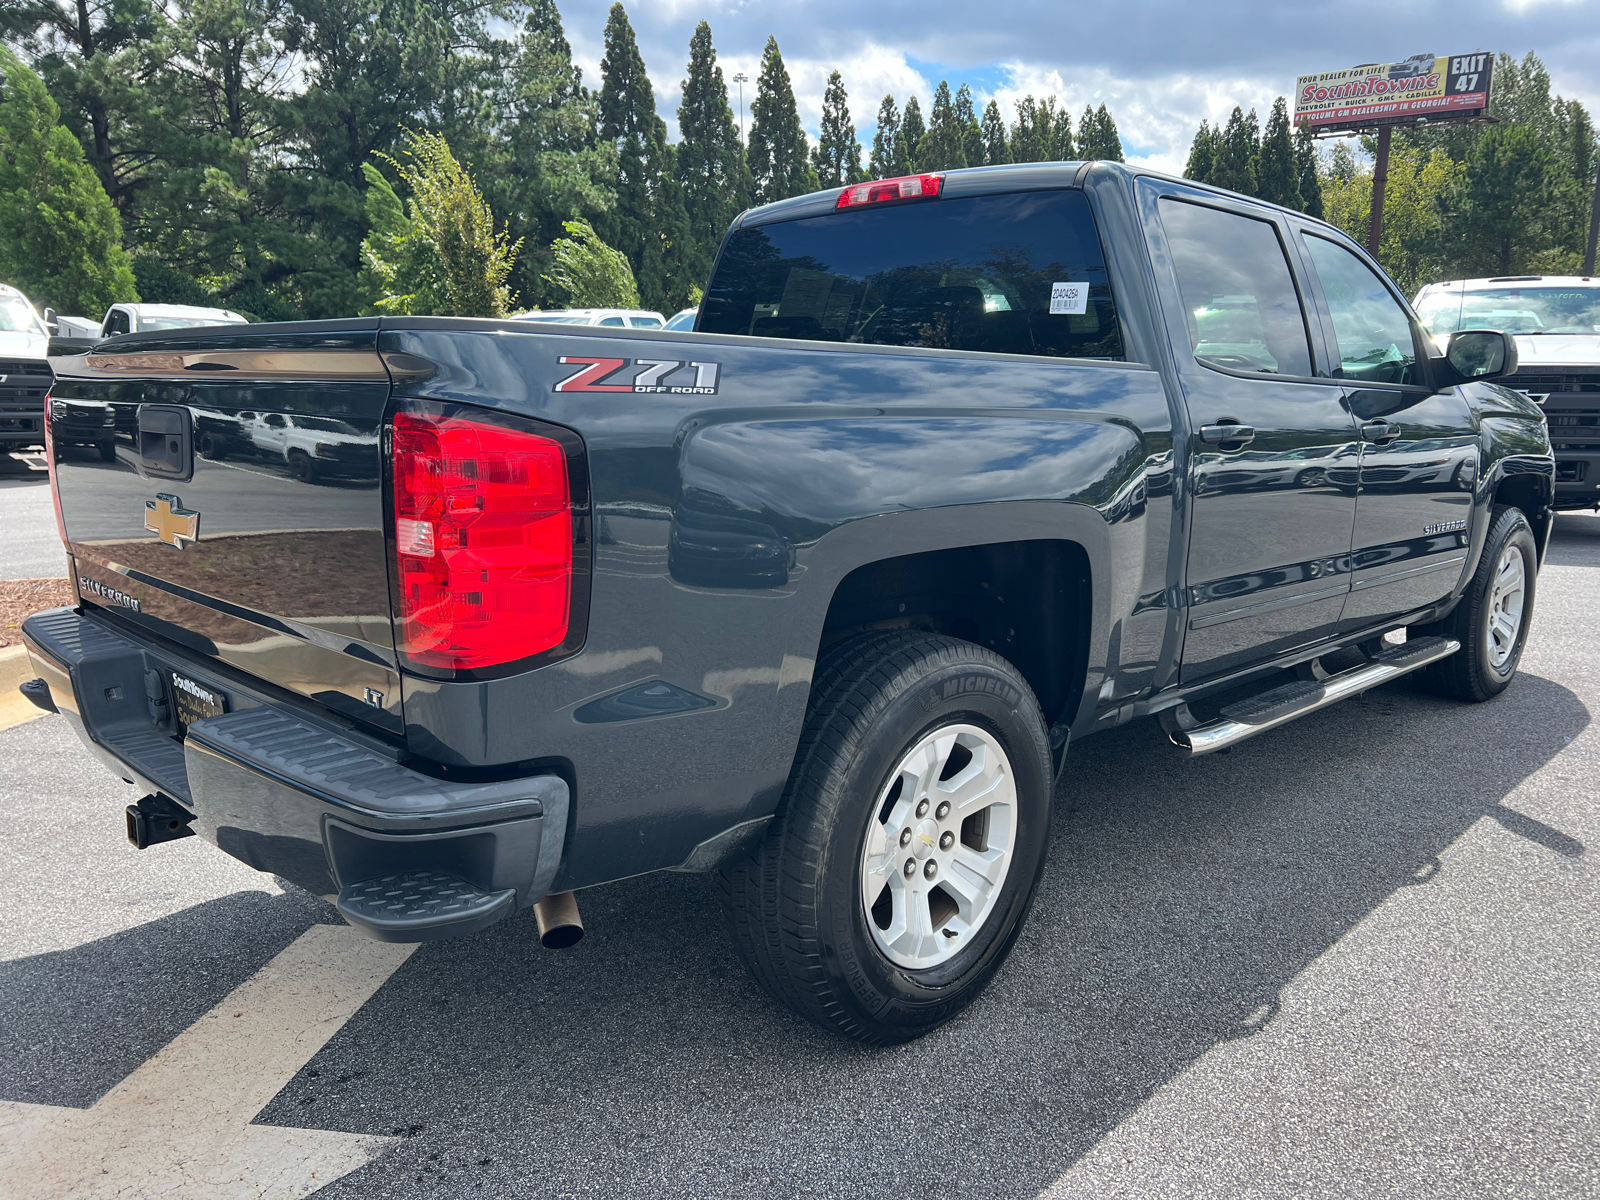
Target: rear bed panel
287, 577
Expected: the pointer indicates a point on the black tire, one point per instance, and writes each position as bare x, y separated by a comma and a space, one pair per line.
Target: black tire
108, 451
794, 904
302, 466
1471, 674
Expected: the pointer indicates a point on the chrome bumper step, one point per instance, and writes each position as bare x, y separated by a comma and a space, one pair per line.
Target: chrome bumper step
1257, 714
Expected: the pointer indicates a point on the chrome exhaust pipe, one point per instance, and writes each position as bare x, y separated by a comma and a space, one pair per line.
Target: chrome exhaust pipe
560, 926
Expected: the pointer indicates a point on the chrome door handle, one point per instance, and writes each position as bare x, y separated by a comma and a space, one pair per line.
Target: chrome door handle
1227, 433
1379, 431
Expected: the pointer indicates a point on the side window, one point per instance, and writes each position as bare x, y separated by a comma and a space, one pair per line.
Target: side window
1374, 333
1239, 298
612, 321
644, 322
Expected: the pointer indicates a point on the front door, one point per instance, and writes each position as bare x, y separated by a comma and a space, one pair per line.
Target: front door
1272, 506
1419, 450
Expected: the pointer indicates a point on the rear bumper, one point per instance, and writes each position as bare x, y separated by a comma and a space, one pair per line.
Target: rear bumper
409, 857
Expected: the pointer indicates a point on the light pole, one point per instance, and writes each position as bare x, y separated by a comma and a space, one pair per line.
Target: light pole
741, 79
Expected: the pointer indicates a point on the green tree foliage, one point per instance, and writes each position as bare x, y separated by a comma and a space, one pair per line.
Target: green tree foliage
1278, 172
837, 159
1310, 178
779, 161
711, 169
1234, 164
971, 130
1414, 246
1097, 135
1041, 133
996, 151
887, 145
1202, 154
649, 223
60, 238
442, 256
589, 273
912, 130
944, 146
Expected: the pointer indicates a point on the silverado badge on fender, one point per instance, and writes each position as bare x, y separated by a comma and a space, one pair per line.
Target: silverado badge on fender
173, 524
649, 376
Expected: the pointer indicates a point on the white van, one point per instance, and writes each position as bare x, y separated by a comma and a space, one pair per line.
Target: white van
616, 318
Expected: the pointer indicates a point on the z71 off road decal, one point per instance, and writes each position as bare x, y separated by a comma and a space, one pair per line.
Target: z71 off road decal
641, 375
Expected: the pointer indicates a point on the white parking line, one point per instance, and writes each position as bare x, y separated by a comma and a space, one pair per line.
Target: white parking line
180, 1124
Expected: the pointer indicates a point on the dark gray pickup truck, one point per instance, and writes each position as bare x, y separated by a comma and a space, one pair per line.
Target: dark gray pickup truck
953, 470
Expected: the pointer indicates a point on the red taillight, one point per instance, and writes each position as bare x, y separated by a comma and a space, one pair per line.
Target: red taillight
907, 187
483, 538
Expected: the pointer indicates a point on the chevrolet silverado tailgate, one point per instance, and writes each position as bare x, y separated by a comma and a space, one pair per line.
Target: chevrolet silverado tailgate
243, 515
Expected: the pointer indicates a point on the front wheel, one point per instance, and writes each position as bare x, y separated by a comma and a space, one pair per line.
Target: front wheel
1491, 621
897, 875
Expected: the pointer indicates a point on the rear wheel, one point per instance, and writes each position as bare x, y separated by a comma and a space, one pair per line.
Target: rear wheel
1491, 621
896, 878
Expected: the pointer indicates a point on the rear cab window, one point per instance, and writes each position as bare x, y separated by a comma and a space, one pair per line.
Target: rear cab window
1016, 273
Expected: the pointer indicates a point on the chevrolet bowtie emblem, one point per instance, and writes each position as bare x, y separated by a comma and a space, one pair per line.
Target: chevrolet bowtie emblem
926, 838
173, 524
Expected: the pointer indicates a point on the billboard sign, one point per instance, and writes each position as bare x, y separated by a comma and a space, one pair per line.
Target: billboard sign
1422, 87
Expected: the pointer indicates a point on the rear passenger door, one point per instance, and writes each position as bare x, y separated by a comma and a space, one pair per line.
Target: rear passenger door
1419, 449
1272, 506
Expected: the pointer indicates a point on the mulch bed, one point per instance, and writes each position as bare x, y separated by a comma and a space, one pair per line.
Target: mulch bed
20, 598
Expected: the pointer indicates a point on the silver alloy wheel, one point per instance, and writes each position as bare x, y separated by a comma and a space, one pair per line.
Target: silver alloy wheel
938, 849
1506, 598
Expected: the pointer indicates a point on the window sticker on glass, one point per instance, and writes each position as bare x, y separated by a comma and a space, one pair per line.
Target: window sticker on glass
1069, 299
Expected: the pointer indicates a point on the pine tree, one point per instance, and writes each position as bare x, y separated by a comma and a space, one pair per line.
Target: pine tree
1202, 151
60, 237
1065, 150
1088, 135
995, 150
885, 162
1310, 183
649, 223
710, 161
1278, 175
779, 163
910, 138
972, 132
943, 147
838, 155
1039, 130
1110, 147
1234, 165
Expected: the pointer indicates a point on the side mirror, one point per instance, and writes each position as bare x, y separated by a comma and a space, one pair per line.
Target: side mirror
50, 321
1482, 354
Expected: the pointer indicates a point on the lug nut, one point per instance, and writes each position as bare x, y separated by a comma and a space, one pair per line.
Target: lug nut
930, 869
922, 807
946, 840
905, 836
943, 810
911, 867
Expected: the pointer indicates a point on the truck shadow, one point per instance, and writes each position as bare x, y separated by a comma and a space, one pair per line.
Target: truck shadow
1180, 899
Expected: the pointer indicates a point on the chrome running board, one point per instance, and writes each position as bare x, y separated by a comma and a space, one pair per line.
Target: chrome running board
1246, 718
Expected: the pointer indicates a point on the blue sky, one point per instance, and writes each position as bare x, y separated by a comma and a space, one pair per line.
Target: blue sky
1162, 66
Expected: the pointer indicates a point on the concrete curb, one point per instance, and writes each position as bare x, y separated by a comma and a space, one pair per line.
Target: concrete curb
16, 669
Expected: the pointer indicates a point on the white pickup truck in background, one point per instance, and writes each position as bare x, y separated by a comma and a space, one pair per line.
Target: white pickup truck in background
1556, 322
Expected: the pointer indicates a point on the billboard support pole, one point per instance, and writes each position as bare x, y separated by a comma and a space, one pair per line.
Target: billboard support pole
1594, 224
1380, 185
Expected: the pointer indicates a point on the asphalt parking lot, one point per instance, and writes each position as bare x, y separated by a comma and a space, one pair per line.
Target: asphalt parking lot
1354, 957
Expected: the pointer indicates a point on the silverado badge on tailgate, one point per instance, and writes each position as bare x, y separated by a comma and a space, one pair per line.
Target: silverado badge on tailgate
172, 523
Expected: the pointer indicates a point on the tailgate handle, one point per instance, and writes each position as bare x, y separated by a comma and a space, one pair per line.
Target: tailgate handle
166, 441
